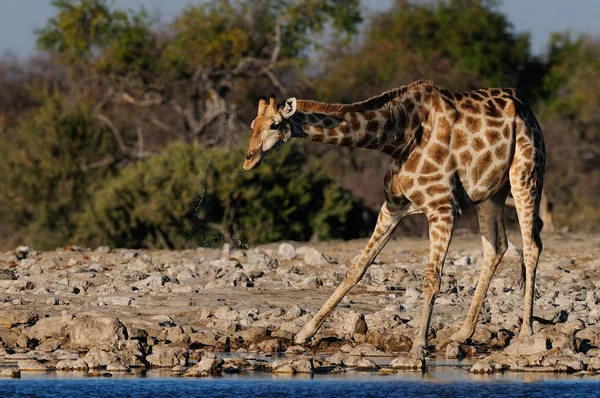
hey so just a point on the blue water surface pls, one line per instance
(320, 386)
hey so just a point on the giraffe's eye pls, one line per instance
(275, 126)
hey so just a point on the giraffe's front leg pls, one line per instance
(441, 227)
(388, 219)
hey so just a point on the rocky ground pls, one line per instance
(111, 310)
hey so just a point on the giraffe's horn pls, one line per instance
(272, 100)
(261, 104)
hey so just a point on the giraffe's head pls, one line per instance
(271, 129)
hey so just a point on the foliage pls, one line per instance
(461, 44)
(189, 196)
(89, 34)
(43, 180)
(571, 122)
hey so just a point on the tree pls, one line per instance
(176, 80)
(44, 180)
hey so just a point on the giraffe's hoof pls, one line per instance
(460, 336)
(419, 351)
(525, 332)
(302, 337)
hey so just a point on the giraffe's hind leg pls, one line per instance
(526, 178)
(493, 237)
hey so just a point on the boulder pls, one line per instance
(98, 357)
(293, 365)
(72, 364)
(165, 356)
(313, 257)
(10, 373)
(96, 332)
(52, 327)
(531, 345)
(49, 345)
(31, 365)
(407, 363)
(11, 318)
(208, 366)
(347, 323)
(286, 251)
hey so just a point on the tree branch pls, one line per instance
(115, 132)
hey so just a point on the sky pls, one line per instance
(19, 18)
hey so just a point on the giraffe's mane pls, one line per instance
(370, 104)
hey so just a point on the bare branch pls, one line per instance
(115, 132)
(157, 100)
(275, 81)
(101, 163)
(140, 136)
(277, 47)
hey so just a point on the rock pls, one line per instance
(96, 332)
(347, 323)
(25, 342)
(203, 339)
(117, 367)
(313, 257)
(49, 345)
(366, 364)
(7, 274)
(366, 349)
(407, 363)
(11, 318)
(226, 313)
(337, 359)
(72, 364)
(11, 373)
(563, 362)
(594, 364)
(121, 301)
(23, 252)
(270, 345)
(208, 366)
(152, 282)
(293, 365)
(286, 251)
(295, 350)
(165, 356)
(31, 365)
(528, 345)
(454, 351)
(8, 337)
(258, 260)
(97, 357)
(497, 362)
(53, 327)
(255, 334)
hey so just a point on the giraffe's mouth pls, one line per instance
(249, 164)
(253, 159)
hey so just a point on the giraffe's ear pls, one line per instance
(289, 108)
(252, 124)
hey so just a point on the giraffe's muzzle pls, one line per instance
(252, 160)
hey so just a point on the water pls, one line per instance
(438, 384)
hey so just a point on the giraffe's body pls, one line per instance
(450, 151)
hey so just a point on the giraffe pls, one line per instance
(449, 151)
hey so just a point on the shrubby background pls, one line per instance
(130, 133)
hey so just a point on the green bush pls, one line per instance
(43, 178)
(188, 196)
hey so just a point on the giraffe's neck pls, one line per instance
(384, 129)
